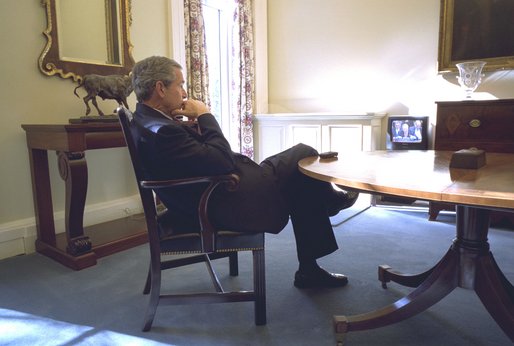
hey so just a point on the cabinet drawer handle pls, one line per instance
(475, 123)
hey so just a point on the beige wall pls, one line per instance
(361, 55)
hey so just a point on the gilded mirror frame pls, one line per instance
(51, 64)
(452, 40)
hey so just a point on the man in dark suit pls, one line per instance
(397, 129)
(415, 131)
(268, 194)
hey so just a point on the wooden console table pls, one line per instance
(77, 248)
(487, 125)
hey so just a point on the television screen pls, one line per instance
(408, 132)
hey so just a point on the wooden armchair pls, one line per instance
(203, 245)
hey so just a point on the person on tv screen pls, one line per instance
(405, 135)
(397, 129)
(415, 131)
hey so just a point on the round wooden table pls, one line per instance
(469, 263)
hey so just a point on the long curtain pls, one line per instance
(196, 56)
(243, 66)
(243, 74)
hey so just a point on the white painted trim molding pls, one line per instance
(176, 27)
(18, 237)
(260, 33)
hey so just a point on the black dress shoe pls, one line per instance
(343, 200)
(319, 279)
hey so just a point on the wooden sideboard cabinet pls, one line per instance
(487, 125)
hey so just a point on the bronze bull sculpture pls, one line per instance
(114, 87)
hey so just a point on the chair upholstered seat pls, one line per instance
(174, 236)
(226, 241)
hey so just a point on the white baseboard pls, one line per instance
(18, 237)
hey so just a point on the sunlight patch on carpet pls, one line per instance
(17, 328)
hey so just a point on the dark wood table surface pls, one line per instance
(469, 263)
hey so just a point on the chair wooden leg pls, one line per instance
(259, 287)
(233, 263)
(212, 273)
(155, 291)
(148, 283)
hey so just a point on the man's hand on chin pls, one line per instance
(192, 109)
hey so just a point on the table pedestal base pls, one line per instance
(468, 264)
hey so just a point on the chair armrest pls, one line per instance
(232, 181)
(208, 233)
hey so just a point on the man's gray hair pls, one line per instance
(147, 72)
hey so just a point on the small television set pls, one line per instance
(408, 132)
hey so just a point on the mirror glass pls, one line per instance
(87, 37)
(82, 39)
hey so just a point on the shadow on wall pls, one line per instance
(320, 105)
(397, 108)
(315, 105)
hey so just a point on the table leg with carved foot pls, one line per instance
(496, 293)
(387, 274)
(468, 264)
(73, 170)
(442, 280)
(75, 253)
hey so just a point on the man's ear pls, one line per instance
(159, 88)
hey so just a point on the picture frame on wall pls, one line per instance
(476, 30)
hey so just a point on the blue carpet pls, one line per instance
(45, 303)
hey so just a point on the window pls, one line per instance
(218, 16)
(226, 9)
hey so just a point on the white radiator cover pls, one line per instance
(323, 131)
